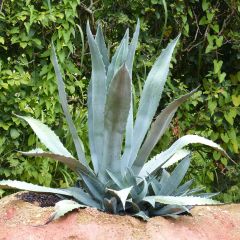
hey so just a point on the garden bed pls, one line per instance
(21, 220)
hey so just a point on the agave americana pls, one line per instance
(122, 178)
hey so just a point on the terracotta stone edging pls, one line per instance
(20, 220)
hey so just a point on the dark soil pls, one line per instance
(43, 199)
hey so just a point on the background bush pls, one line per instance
(208, 55)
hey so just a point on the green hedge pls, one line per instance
(208, 55)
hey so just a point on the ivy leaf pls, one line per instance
(14, 133)
(219, 41)
(230, 115)
(224, 137)
(2, 40)
(236, 100)
(217, 65)
(212, 106)
(205, 5)
(222, 77)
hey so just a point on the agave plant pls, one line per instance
(121, 178)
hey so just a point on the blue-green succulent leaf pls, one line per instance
(63, 100)
(156, 187)
(164, 178)
(129, 178)
(94, 157)
(150, 98)
(7, 184)
(129, 127)
(160, 159)
(169, 210)
(47, 137)
(175, 178)
(110, 205)
(72, 163)
(121, 194)
(143, 193)
(116, 178)
(118, 59)
(116, 113)
(132, 49)
(206, 195)
(183, 189)
(83, 197)
(102, 46)
(158, 128)
(65, 206)
(150, 200)
(97, 100)
(95, 188)
(195, 191)
(186, 200)
(132, 206)
(179, 155)
(141, 215)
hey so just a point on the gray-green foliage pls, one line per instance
(123, 179)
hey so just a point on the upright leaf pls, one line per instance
(116, 179)
(164, 178)
(97, 98)
(175, 178)
(63, 100)
(183, 189)
(94, 156)
(116, 113)
(129, 127)
(95, 188)
(119, 58)
(102, 46)
(83, 197)
(132, 49)
(143, 193)
(156, 187)
(150, 98)
(157, 130)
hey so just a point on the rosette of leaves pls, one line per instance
(121, 178)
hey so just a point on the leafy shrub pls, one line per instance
(27, 83)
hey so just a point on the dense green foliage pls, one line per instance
(208, 56)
